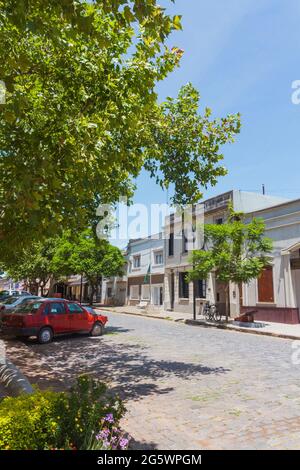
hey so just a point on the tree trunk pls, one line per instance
(227, 303)
(51, 287)
(92, 294)
(99, 289)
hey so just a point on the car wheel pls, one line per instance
(45, 336)
(97, 330)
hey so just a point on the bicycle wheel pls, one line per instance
(212, 313)
(218, 316)
(206, 312)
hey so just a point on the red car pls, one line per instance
(46, 318)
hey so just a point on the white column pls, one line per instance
(211, 289)
(234, 296)
(290, 298)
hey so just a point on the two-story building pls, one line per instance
(145, 271)
(276, 294)
(179, 294)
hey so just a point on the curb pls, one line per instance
(13, 381)
(208, 325)
(241, 330)
(136, 314)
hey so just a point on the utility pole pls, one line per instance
(150, 279)
(194, 299)
(194, 229)
(263, 189)
(81, 289)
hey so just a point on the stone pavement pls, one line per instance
(184, 387)
(265, 328)
(150, 313)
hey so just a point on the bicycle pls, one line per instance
(211, 312)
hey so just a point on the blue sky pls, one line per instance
(242, 55)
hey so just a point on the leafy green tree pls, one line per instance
(34, 266)
(235, 251)
(87, 255)
(185, 148)
(81, 116)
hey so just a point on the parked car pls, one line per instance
(20, 292)
(46, 318)
(5, 294)
(12, 302)
(8, 299)
(8, 305)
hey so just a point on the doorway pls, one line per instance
(157, 295)
(172, 290)
(222, 298)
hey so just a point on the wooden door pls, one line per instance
(265, 286)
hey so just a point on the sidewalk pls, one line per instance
(150, 313)
(279, 330)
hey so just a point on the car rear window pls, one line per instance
(28, 307)
(74, 308)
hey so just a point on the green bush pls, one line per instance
(29, 421)
(83, 411)
(57, 420)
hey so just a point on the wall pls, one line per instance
(214, 209)
(283, 227)
(140, 276)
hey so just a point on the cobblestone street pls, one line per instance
(185, 387)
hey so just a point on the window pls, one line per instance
(134, 292)
(109, 292)
(171, 244)
(265, 286)
(75, 308)
(137, 261)
(158, 257)
(200, 288)
(145, 292)
(183, 286)
(29, 307)
(56, 308)
(219, 221)
(184, 238)
(185, 242)
(10, 301)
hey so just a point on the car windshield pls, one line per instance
(10, 301)
(28, 307)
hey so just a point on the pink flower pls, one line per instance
(109, 418)
(123, 443)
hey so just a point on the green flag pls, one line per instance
(147, 276)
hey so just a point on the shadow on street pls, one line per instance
(127, 369)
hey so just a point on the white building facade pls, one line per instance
(180, 295)
(155, 274)
(276, 294)
(145, 271)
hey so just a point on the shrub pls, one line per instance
(83, 411)
(29, 421)
(59, 420)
